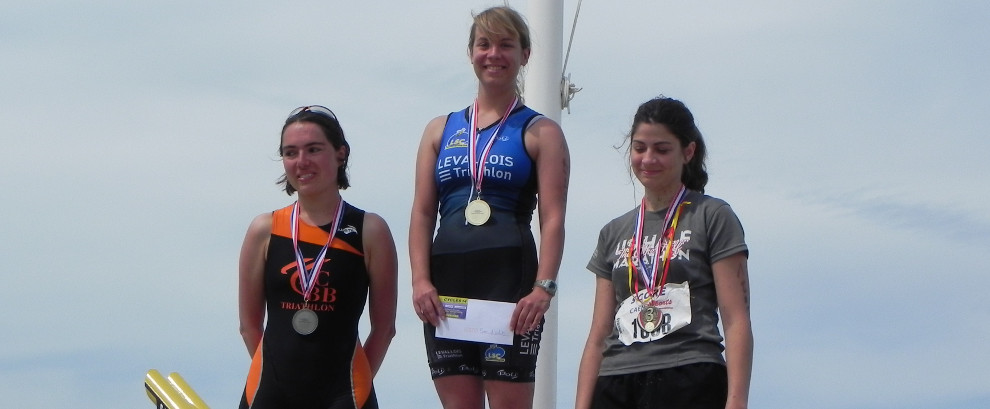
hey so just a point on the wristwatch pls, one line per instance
(549, 286)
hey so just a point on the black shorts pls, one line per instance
(503, 274)
(693, 386)
(276, 401)
(511, 363)
(322, 385)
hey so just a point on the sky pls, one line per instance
(140, 140)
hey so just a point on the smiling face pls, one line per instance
(311, 162)
(657, 157)
(497, 58)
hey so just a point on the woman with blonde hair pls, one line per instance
(481, 169)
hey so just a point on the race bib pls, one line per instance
(638, 321)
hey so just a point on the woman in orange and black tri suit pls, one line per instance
(311, 266)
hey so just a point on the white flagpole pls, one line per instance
(542, 92)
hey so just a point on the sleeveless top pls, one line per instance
(331, 357)
(509, 184)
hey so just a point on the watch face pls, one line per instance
(549, 285)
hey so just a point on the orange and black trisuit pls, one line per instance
(327, 368)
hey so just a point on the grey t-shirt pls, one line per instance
(707, 231)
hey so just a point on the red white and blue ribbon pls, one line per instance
(307, 277)
(476, 163)
(665, 239)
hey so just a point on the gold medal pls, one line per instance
(477, 212)
(305, 321)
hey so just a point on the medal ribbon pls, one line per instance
(635, 256)
(307, 277)
(478, 164)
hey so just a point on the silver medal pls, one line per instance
(305, 321)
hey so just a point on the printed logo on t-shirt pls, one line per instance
(650, 249)
(497, 166)
(456, 142)
(321, 298)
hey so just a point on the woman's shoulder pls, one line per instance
(261, 225)
(704, 201)
(437, 123)
(435, 127)
(713, 209)
(535, 121)
(374, 223)
(351, 209)
(282, 211)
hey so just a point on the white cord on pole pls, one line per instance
(568, 89)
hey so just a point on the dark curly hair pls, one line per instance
(678, 119)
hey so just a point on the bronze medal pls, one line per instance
(649, 318)
(305, 321)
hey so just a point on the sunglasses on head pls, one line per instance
(316, 109)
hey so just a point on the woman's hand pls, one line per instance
(529, 311)
(426, 303)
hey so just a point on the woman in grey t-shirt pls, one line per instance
(666, 272)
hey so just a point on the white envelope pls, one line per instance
(468, 319)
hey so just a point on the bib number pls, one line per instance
(648, 321)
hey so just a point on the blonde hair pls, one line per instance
(501, 20)
(506, 22)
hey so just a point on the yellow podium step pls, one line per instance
(172, 392)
